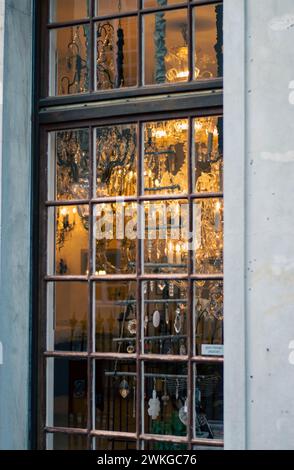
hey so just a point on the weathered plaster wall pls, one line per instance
(266, 310)
(15, 228)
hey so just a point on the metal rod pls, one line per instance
(150, 338)
(150, 375)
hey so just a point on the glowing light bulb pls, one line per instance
(74, 211)
(183, 74)
(63, 211)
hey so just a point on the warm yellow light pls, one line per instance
(74, 211)
(218, 206)
(183, 74)
(178, 248)
(64, 211)
(160, 133)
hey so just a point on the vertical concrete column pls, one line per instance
(15, 283)
(259, 248)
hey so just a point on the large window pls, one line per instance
(131, 221)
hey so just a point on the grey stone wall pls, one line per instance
(16, 225)
(259, 248)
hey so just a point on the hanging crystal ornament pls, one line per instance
(178, 321)
(183, 413)
(165, 397)
(177, 389)
(132, 327)
(130, 348)
(183, 350)
(171, 289)
(120, 53)
(156, 319)
(154, 404)
(166, 314)
(161, 285)
(124, 388)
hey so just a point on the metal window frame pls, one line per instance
(53, 114)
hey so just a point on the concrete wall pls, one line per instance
(262, 310)
(15, 228)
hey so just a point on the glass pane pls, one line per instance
(165, 47)
(160, 3)
(116, 317)
(208, 157)
(116, 53)
(69, 60)
(162, 446)
(165, 244)
(208, 223)
(208, 34)
(209, 315)
(209, 396)
(106, 7)
(66, 442)
(114, 444)
(116, 160)
(67, 393)
(165, 158)
(165, 317)
(115, 396)
(69, 225)
(67, 316)
(115, 232)
(68, 165)
(68, 10)
(165, 405)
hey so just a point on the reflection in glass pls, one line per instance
(116, 319)
(114, 444)
(208, 305)
(106, 7)
(69, 165)
(115, 396)
(208, 229)
(68, 10)
(67, 316)
(115, 233)
(208, 157)
(165, 157)
(165, 47)
(165, 317)
(164, 445)
(67, 442)
(165, 399)
(165, 244)
(67, 382)
(160, 3)
(69, 64)
(209, 421)
(71, 226)
(208, 34)
(116, 53)
(116, 160)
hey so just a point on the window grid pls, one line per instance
(139, 357)
(140, 13)
(90, 433)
